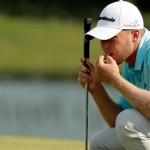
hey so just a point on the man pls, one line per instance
(123, 37)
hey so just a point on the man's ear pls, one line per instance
(135, 35)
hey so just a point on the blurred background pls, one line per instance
(41, 43)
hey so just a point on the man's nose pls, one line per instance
(105, 45)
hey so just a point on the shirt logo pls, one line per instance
(107, 19)
(145, 85)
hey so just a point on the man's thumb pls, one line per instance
(109, 59)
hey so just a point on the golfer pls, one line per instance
(123, 38)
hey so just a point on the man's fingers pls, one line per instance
(109, 59)
(84, 78)
(88, 63)
(103, 60)
(84, 69)
(91, 66)
(82, 60)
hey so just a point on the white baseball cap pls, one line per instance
(114, 18)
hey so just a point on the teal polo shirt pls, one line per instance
(139, 75)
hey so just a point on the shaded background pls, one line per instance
(62, 8)
(41, 43)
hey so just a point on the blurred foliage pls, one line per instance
(59, 8)
(43, 8)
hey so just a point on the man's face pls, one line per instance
(120, 47)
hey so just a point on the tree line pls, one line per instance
(61, 8)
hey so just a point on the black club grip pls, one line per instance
(87, 27)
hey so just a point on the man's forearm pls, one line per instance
(139, 98)
(107, 107)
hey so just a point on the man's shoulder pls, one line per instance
(146, 35)
(146, 39)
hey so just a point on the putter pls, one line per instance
(87, 26)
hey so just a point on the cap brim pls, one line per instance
(102, 33)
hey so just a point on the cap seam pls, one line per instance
(119, 25)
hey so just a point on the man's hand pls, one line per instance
(106, 69)
(87, 75)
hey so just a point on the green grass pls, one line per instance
(31, 143)
(41, 47)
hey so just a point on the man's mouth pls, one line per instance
(108, 54)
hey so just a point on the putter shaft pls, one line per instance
(86, 115)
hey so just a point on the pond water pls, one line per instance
(54, 109)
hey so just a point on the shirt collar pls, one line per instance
(140, 53)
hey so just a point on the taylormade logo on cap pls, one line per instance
(107, 19)
(116, 17)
